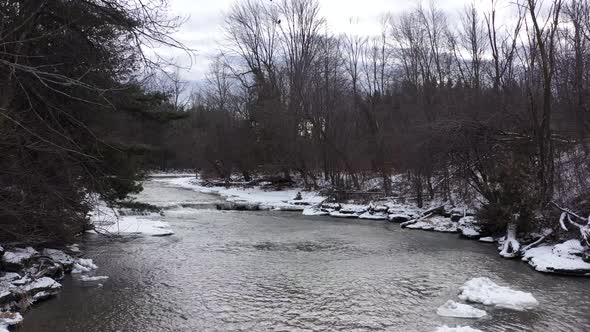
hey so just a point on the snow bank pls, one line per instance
(485, 291)
(436, 223)
(445, 328)
(267, 199)
(136, 225)
(9, 319)
(469, 227)
(562, 258)
(460, 310)
(107, 220)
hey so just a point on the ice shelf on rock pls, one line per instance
(564, 258)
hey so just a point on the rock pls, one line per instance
(6, 297)
(8, 318)
(399, 218)
(16, 259)
(41, 288)
(487, 239)
(455, 217)
(60, 257)
(468, 228)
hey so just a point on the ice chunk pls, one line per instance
(455, 309)
(94, 278)
(483, 290)
(84, 265)
(445, 328)
(487, 239)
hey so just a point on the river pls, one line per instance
(282, 271)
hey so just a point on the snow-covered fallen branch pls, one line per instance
(568, 214)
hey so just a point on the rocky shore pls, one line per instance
(29, 275)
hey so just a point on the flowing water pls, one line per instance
(281, 271)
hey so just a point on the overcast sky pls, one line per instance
(203, 30)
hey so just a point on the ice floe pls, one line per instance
(484, 290)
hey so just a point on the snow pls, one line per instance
(314, 211)
(136, 225)
(10, 276)
(84, 265)
(398, 217)
(487, 239)
(107, 220)
(8, 319)
(460, 310)
(445, 328)
(43, 283)
(373, 216)
(59, 256)
(485, 291)
(19, 255)
(94, 278)
(468, 227)
(74, 248)
(435, 223)
(267, 199)
(561, 258)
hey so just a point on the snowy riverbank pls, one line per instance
(28, 276)
(438, 217)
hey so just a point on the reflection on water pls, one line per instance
(261, 271)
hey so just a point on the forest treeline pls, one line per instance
(72, 101)
(490, 103)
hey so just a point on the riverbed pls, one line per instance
(282, 271)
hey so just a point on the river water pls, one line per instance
(282, 271)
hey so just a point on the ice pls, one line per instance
(84, 265)
(487, 239)
(460, 310)
(74, 248)
(561, 258)
(485, 291)
(93, 278)
(445, 328)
